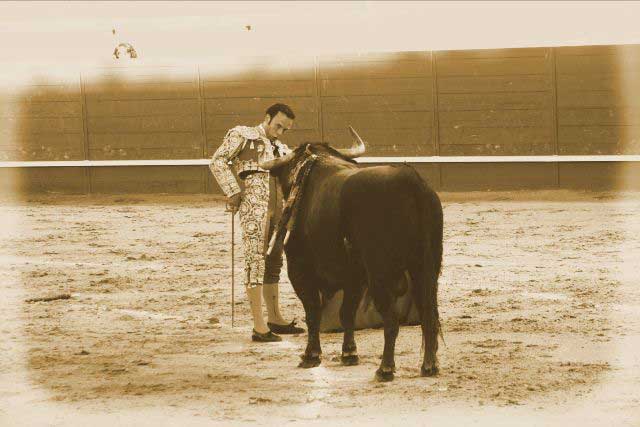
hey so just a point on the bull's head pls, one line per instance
(350, 153)
(282, 167)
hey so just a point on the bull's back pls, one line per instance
(382, 211)
(382, 193)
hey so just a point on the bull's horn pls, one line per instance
(270, 164)
(356, 151)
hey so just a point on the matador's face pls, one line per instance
(277, 126)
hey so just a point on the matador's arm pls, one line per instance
(219, 165)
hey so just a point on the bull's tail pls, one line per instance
(427, 271)
(436, 257)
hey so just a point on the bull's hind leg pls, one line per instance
(391, 327)
(429, 321)
(385, 304)
(348, 310)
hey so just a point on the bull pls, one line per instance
(361, 230)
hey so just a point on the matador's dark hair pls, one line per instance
(280, 108)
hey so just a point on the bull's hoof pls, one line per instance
(384, 376)
(428, 372)
(350, 360)
(309, 362)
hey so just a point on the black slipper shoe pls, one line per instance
(291, 328)
(266, 337)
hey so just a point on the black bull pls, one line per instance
(362, 230)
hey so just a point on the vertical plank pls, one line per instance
(85, 132)
(203, 126)
(554, 109)
(203, 122)
(435, 126)
(316, 83)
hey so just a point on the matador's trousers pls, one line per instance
(257, 222)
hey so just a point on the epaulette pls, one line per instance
(284, 149)
(247, 132)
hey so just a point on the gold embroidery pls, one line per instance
(232, 154)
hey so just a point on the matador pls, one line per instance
(259, 205)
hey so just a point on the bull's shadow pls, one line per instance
(366, 314)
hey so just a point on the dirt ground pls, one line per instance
(539, 301)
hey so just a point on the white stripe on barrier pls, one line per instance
(500, 159)
(93, 163)
(409, 159)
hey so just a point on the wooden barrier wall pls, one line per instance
(530, 101)
(597, 93)
(495, 102)
(42, 121)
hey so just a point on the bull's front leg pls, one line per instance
(305, 286)
(312, 309)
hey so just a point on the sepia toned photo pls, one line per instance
(319, 213)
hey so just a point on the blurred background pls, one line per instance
(136, 81)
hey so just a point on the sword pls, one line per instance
(233, 281)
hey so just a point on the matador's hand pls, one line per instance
(233, 202)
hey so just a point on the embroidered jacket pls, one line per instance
(242, 147)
